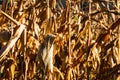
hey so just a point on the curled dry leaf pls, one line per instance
(86, 44)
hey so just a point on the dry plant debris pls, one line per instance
(86, 46)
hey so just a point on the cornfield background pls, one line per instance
(87, 46)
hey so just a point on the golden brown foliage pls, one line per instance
(87, 44)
